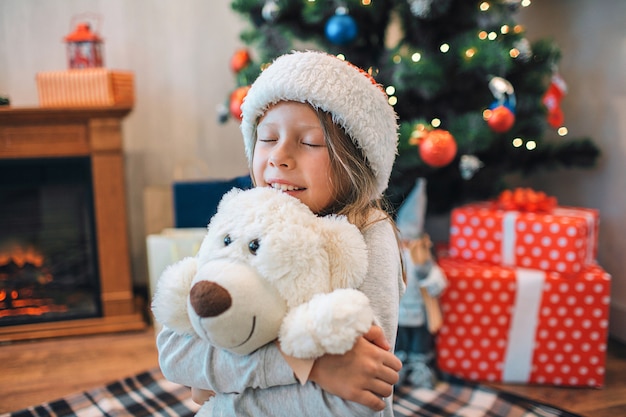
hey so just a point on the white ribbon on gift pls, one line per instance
(521, 341)
(509, 237)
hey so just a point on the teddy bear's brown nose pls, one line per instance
(209, 299)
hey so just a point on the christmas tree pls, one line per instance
(476, 100)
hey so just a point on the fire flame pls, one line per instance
(21, 255)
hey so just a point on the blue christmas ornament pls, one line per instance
(503, 92)
(341, 29)
(509, 104)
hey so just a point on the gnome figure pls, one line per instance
(420, 314)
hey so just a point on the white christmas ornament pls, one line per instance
(469, 166)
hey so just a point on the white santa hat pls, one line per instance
(328, 83)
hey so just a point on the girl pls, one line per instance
(322, 131)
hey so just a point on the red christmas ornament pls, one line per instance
(236, 98)
(240, 60)
(437, 148)
(501, 119)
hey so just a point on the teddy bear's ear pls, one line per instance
(169, 304)
(229, 195)
(347, 251)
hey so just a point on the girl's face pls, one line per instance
(290, 154)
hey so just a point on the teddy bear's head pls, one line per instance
(265, 255)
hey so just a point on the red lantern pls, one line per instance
(84, 48)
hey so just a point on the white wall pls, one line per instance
(592, 37)
(179, 51)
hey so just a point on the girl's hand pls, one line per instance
(365, 374)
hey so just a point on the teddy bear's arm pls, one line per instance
(169, 304)
(328, 323)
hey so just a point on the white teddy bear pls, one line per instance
(269, 268)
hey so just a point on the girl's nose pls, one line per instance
(281, 156)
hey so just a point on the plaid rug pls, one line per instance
(149, 394)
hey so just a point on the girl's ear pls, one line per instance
(347, 252)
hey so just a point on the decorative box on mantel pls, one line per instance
(87, 87)
(64, 251)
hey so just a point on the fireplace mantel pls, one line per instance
(94, 133)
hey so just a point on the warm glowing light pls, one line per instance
(14, 294)
(470, 52)
(518, 28)
(517, 142)
(525, 3)
(531, 144)
(366, 2)
(514, 53)
(484, 6)
(504, 29)
(390, 90)
(482, 35)
(562, 131)
(416, 57)
(487, 114)
(372, 71)
(397, 59)
(435, 122)
(341, 56)
(444, 47)
(393, 100)
(492, 36)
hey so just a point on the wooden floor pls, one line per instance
(40, 371)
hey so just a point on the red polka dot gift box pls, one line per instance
(551, 238)
(517, 325)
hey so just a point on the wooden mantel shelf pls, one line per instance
(12, 115)
(94, 133)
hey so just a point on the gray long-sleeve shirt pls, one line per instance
(262, 383)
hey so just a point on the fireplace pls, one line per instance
(64, 258)
(48, 262)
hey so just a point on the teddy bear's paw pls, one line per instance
(328, 323)
(169, 304)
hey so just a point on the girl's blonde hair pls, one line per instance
(351, 176)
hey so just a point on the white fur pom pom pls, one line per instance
(329, 323)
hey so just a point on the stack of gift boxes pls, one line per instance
(526, 301)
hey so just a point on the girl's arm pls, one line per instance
(261, 398)
(191, 361)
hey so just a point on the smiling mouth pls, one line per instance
(249, 335)
(285, 187)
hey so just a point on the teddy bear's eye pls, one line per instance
(227, 240)
(254, 245)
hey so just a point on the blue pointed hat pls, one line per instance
(411, 214)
